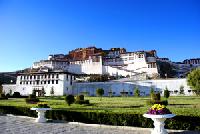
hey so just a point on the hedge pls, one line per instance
(137, 120)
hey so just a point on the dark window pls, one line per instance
(52, 75)
(45, 76)
(48, 81)
(31, 77)
(38, 82)
(52, 81)
(30, 82)
(21, 77)
(49, 76)
(56, 81)
(56, 75)
(38, 77)
(20, 83)
(34, 76)
(70, 80)
(45, 82)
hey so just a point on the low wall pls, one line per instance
(144, 87)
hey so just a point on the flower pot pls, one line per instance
(159, 122)
(41, 114)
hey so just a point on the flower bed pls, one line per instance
(42, 105)
(158, 109)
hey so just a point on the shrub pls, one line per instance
(155, 97)
(166, 93)
(82, 102)
(79, 97)
(32, 99)
(8, 95)
(3, 97)
(179, 122)
(181, 89)
(151, 91)
(100, 92)
(136, 92)
(152, 102)
(69, 99)
(16, 95)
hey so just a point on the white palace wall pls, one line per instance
(144, 87)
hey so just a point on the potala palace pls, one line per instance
(66, 74)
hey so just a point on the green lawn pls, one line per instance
(181, 105)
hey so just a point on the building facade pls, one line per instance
(60, 82)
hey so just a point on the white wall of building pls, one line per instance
(61, 84)
(8, 87)
(144, 87)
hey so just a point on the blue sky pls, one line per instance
(30, 30)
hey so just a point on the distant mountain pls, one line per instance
(8, 77)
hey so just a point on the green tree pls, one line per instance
(100, 92)
(136, 92)
(193, 80)
(181, 89)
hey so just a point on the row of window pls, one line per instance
(30, 77)
(38, 82)
(152, 65)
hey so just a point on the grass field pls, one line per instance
(180, 105)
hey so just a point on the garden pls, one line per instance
(112, 110)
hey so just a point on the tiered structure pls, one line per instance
(92, 60)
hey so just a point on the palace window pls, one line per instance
(52, 81)
(56, 81)
(56, 75)
(48, 81)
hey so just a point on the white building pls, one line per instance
(60, 82)
(117, 62)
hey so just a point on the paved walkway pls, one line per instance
(25, 125)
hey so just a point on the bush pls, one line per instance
(8, 95)
(79, 97)
(166, 93)
(3, 97)
(152, 102)
(136, 92)
(100, 92)
(16, 95)
(69, 99)
(82, 102)
(178, 122)
(155, 97)
(32, 99)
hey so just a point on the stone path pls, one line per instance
(25, 125)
